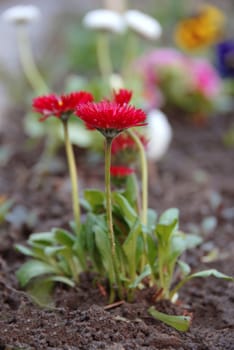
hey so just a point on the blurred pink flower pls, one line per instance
(151, 65)
(173, 77)
(159, 58)
(204, 77)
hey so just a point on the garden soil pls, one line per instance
(196, 176)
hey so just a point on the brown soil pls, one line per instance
(196, 176)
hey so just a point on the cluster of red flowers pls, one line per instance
(109, 117)
(121, 171)
(124, 142)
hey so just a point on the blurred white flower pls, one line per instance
(142, 24)
(159, 134)
(106, 20)
(116, 81)
(21, 14)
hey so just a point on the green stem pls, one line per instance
(73, 174)
(178, 286)
(161, 272)
(109, 216)
(27, 61)
(131, 48)
(117, 5)
(108, 194)
(103, 56)
(144, 175)
(144, 179)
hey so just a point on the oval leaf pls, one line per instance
(211, 272)
(31, 269)
(181, 323)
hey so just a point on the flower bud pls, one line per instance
(142, 24)
(159, 134)
(104, 20)
(21, 14)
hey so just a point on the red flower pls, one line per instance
(122, 96)
(110, 118)
(125, 142)
(120, 171)
(59, 106)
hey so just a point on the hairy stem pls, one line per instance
(144, 180)
(108, 194)
(109, 216)
(73, 174)
(144, 175)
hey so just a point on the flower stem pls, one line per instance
(117, 5)
(131, 50)
(103, 56)
(144, 175)
(27, 61)
(73, 174)
(109, 217)
(144, 180)
(108, 194)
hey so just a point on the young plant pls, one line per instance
(111, 118)
(119, 240)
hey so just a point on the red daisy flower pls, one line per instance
(121, 171)
(125, 142)
(110, 118)
(59, 106)
(122, 96)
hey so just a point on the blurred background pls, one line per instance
(61, 45)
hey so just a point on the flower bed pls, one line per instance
(191, 177)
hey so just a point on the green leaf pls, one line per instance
(169, 217)
(211, 272)
(151, 219)
(204, 273)
(192, 240)
(79, 135)
(51, 251)
(152, 250)
(181, 323)
(131, 190)
(103, 244)
(64, 237)
(40, 290)
(126, 211)
(130, 247)
(24, 250)
(61, 279)
(36, 251)
(32, 127)
(42, 238)
(146, 272)
(168, 223)
(31, 269)
(96, 199)
(4, 209)
(164, 233)
(184, 267)
(182, 241)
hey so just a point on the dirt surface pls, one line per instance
(196, 176)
